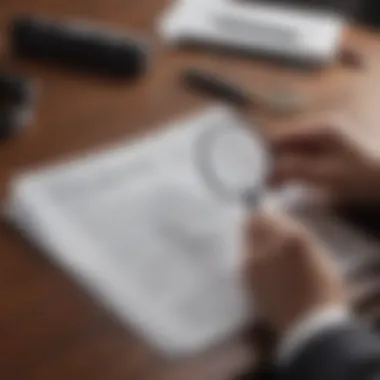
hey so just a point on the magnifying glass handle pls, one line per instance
(253, 200)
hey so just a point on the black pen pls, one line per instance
(219, 88)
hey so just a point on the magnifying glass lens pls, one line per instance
(238, 162)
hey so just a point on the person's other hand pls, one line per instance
(287, 271)
(331, 156)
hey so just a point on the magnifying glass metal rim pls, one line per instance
(203, 151)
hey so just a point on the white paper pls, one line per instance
(138, 227)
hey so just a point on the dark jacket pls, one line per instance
(345, 353)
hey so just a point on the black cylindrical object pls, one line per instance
(17, 103)
(76, 45)
(12, 121)
(14, 90)
(216, 87)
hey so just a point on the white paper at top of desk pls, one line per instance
(279, 30)
(138, 228)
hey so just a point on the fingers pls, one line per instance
(278, 238)
(264, 236)
(309, 136)
(297, 131)
(270, 234)
(308, 153)
(317, 171)
(316, 151)
(308, 132)
(307, 140)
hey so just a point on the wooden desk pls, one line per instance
(49, 329)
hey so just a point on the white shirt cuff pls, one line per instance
(309, 326)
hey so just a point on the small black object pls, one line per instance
(216, 87)
(8, 123)
(76, 45)
(14, 90)
(16, 103)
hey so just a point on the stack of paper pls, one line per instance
(275, 30)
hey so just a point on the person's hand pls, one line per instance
(333, 157)
(287, 271)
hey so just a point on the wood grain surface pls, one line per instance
(49, 328)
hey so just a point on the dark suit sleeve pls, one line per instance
(344, 353)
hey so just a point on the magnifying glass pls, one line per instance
(234, 161)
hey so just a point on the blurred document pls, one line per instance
(138, 227)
